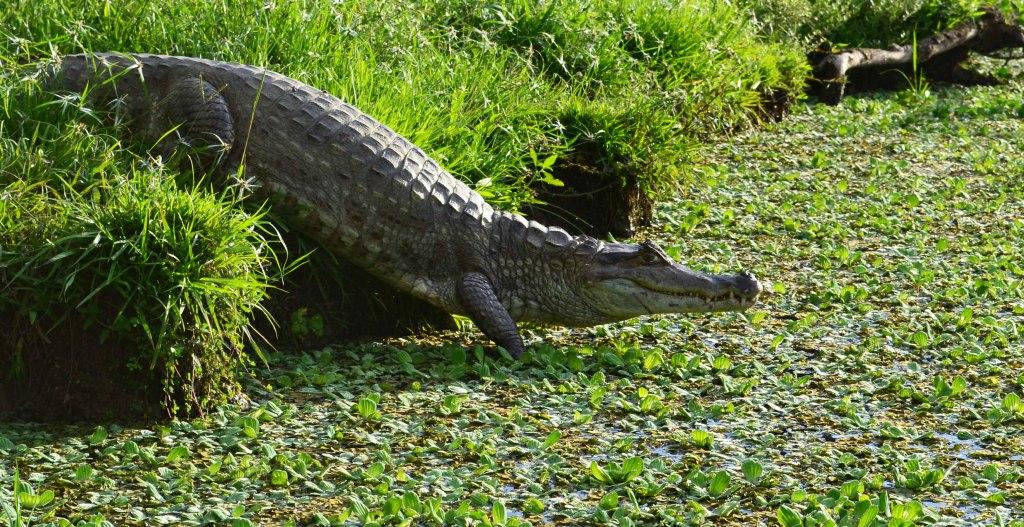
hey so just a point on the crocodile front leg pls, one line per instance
(482, 305)
(193, 114)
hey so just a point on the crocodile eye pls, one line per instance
(653, 254)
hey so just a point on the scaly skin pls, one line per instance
(372, 197)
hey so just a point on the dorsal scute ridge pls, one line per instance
(457, 200)
(536, 234)
(558, 237)
(518, 223)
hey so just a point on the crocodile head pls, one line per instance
(628, 280)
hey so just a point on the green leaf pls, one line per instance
(789, 518)
(965, 317)
(411, 501)
(866, 512)
(130, 447)
(752, 471)
(907, 512)
(996, 498)
(249, 421)
(98, 436)
(375, 471)
(597, 397)
(852, 489)
(719, 483)
(650, 404)
(392, 506)
(599, 473)
(609, 501)
(553, 181)
(83, 473)
(702, 439)
(367, 407)
(1012, 403)
(884, 505)
(552, 438)
(940, 387)
(498, 514)
(631, 468)
(652, 360)
(278, 478)
(433, 507)
(177, 454)
(533, 506)
(359, 507)
(32, 501)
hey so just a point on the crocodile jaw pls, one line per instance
(642, 280)
(622, 298)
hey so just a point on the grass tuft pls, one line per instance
(622, 92)
(95, 237)
(855, 23)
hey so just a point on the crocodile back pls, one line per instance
(353, 184)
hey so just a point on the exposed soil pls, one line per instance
(70, 373)
(593, 201)
(775, 104)
(329, 299)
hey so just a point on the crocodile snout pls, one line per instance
(748, 285)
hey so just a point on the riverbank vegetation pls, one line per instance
(878, 383)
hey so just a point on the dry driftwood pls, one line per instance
(939, 58)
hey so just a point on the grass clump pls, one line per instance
(478, 85)
(689, 68)
(855, 23)
(478, 112)
(621, 139)
(107, 264)
(620, 93)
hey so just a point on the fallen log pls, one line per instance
(937, 58)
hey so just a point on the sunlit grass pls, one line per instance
(94, 236)
(496, 92)
(856, 23)
(477, 85)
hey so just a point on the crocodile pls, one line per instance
(367, 194)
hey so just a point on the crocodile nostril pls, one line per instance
(748, 284)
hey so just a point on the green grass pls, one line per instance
(477, 85)
(94, 237)
(855, 23)
(672, 71)
(626, 91)
(881, 375)
(473, 112)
